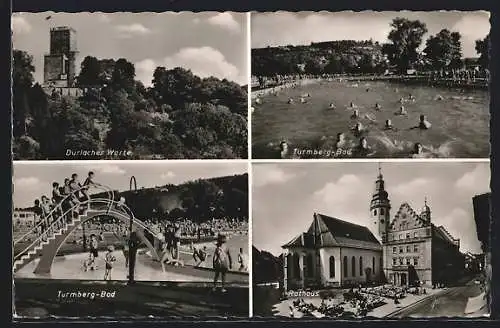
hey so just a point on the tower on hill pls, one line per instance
(59, 64)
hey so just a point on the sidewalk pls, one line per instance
(390, 308)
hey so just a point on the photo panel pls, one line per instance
(130, 85)
(370, 84)
(367, 240)
(130, 239)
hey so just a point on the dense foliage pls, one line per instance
(198, 200)
(442, 51)
(179, 116)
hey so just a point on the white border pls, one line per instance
(249, 84)
(249, 161)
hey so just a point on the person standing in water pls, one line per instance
(222, 262)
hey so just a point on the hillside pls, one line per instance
(198, 200)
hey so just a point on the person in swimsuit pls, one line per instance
(241, 261)
(363, 150)
(199, 256)
(402, 111)
(388, 125)
(94, 245)
(222, 262)
(110, 259)
(378, 107)
(355, 114)
(283, 149)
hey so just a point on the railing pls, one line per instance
(58, 206)
(123, 211)
(61, 222)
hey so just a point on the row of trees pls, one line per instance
(198, 200)
(180, 116)
(441, 51)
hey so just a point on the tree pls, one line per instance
(406, 36)
(483, 50)
(22, 80)
(90, 73)
(123, 75)
(444, 50)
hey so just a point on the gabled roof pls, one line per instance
(326, 231)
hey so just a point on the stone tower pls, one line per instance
(59, 64)
(380, 208)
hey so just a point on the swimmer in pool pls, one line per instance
(401, 100)
(439, 97)
(283, 149)
(424, 124)
(352, 105)
(402, 111)
(290, 100)
(358, 129)
(252, 108)
(411, 97)
(258, 101)
(377, 106)
(332, 106)
(363, 150)
(418, 151)
(340, 142)
(303, 100)
(388, 125)
(355, 114)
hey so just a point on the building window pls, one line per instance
(415, 261)
(408, 249)
(353, 266)
(345, 267)
(415, 248)
(360, 266)
(407, 236)
(394, 250)
(394, 261)
(381, 211)
(400, 237)
(373, 265)
(407, 261)
(400, 261)
(401, 249)
(332, 267)
(415, 235)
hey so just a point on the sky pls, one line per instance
(285, 196)
(32, 180)
(287, 28)
(209, 43)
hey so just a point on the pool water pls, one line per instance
(460, 121)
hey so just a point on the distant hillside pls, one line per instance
(346, 56)
(266, 267)
(198, 200)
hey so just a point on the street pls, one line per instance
(449, 303)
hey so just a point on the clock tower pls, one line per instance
(380, 208)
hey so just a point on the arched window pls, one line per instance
(353, 264)
(345, 266)
(332, 267)
(360, 265)
(373, 265)
(381, 211)
(375, 212)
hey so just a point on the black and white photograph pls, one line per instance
(131, 239)
(370, 84)
(130, 85)
(371, 240)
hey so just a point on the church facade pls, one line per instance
(415, 251)
(332, 253)
(404, 250)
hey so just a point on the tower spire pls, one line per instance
(379, 170)
(425, 200)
